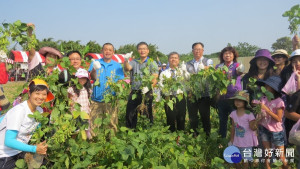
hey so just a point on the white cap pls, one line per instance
(82, 73)
(295, 53)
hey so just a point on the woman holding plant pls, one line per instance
(228, 58)
(17, 127)
(51, 56)
(261, 67)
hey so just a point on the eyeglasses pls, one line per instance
(197, 50)
(75, 59)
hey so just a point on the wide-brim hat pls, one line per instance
(281, 52)
(273, 81)
(44, 50)
(263, 53)
(50, 95)
(242, 95)
(295, 53)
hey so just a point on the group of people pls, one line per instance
(273, 123)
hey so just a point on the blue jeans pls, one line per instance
(225, 108)
(277, 138)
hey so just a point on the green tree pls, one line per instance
(294, 18)
(283, 43)
(186, 57)
(47, 42)
(212, 55)
(94, 47)
(245, 49)
(66, 46)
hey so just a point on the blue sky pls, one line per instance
(173, 25)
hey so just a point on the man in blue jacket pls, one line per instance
(102, 70)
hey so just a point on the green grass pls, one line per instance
(12, 90)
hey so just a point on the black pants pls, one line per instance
(177, 115)
(132, 105)
(9, 162)
(201, 105)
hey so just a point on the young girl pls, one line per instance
(81, 96)
(270, 120)
(242, 136)
(16, 127)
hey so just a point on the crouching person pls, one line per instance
(171, 84)
(16, 128)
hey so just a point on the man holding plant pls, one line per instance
(144, 67)
(101, 70)
(171, 85)
(201, 105)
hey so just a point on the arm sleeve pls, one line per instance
(232, 114)
(11, 142)
(1, 118)
(34, 62)
(251, 117)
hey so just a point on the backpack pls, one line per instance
(3, 73)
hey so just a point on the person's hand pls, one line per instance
(127, 56)
(241, 68)
(42, 148)
(96, 64)
(297, 72)
(31, 27)
(201, 66)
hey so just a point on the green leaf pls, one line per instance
(269, 95)
(123, 129)
(18, 23)
(263, 89)
(76, 114)
(96, 83)
(84, 115)
(134, 96)
(67, 162)
(170, 104)
(83, 134)
(20, 163)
